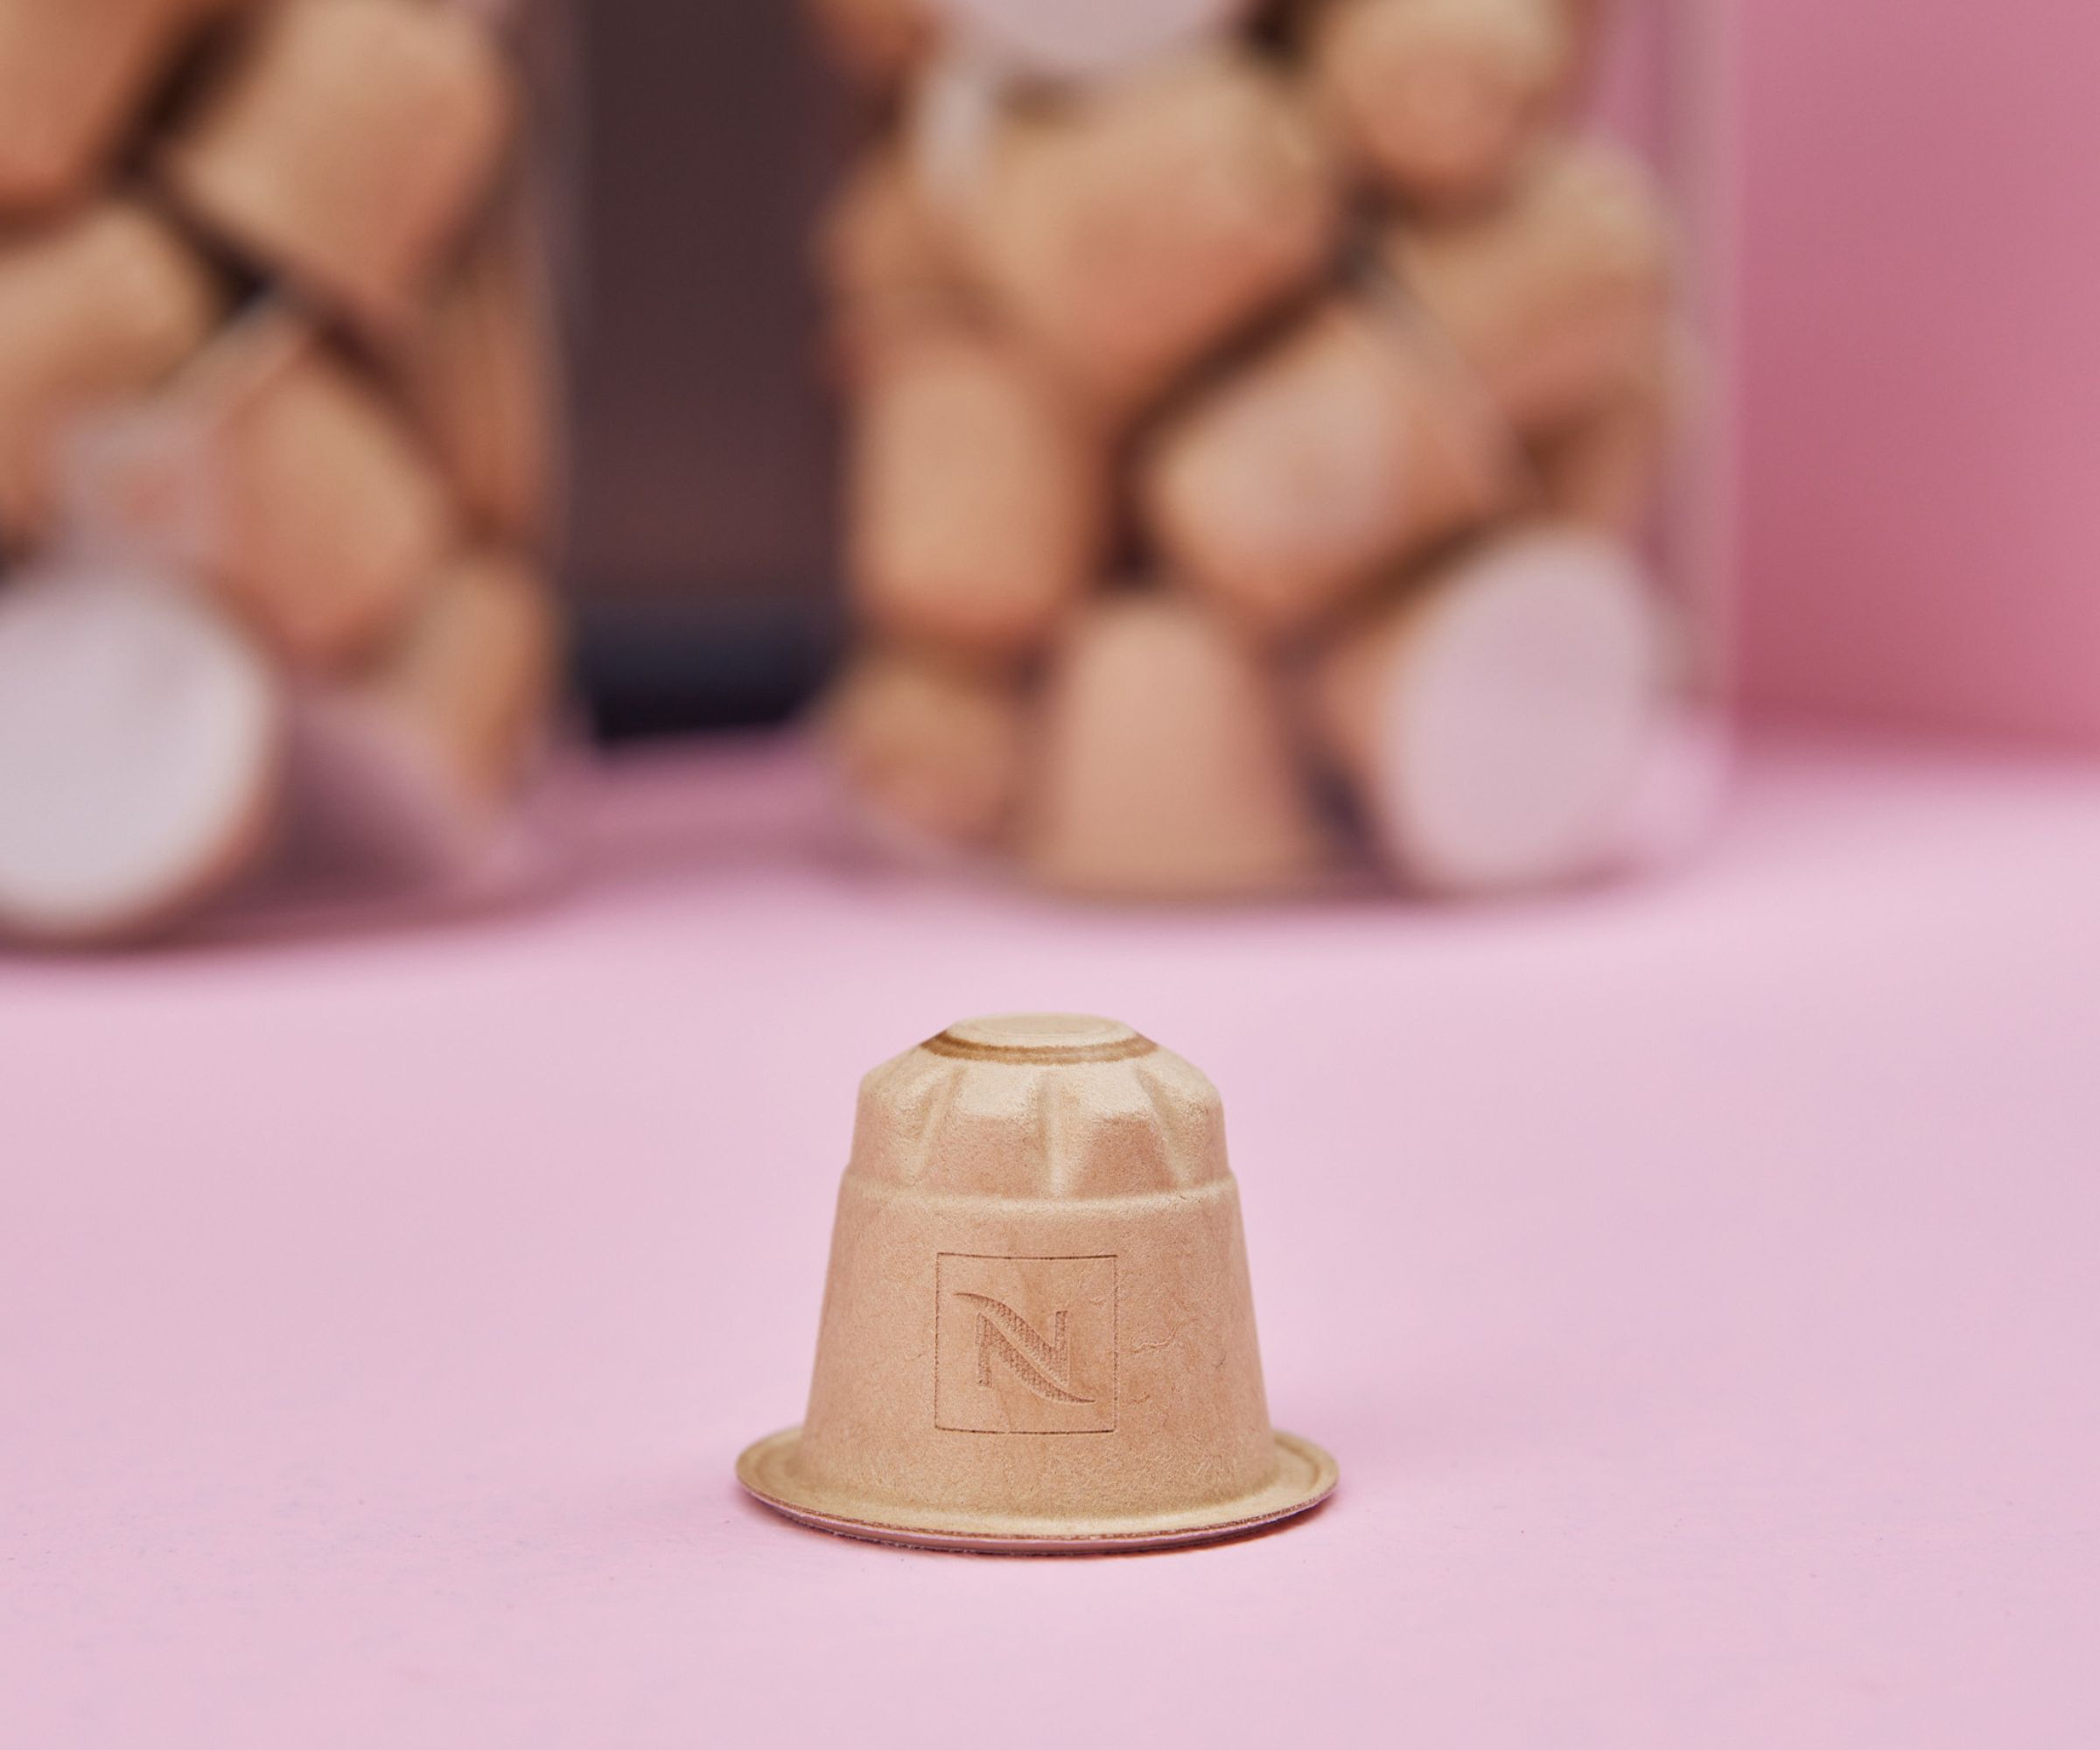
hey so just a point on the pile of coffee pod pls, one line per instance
(277, 443)
(1256, 414)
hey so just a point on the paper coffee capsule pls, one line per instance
(1555, 295)
(1439, 100)
(74, 76)
(977, 498)
(343, 144)
(412, 771)
(1351, 444)
(1493, 722)
(326, 519)
(1037, 1332)
(1606, 471)
(141, 744)
(877, 43)
(96, 308)
(1075, 38)
(887, 266)
(480, 377)
(934, 748)
(1166, 770)
(1131, 229)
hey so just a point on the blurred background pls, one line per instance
(1217, 452)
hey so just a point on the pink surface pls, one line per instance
(1922, 382)
(1697, 1285)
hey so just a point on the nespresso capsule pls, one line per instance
(325, 517)
(1133, 228)
(1350, 445)
(74, 76)
(1165, 769)
(977, 498)
(1606, 470)
(344, 143)
(932, 749)
(141, 749)
(479, 373)
(1493, 721)
(1440, 100)
(96, 308)
(1553, 295)
(888, 267)
(1039, 1331)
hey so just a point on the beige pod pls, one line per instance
(74, 76)
(324, 518)
(1353, 442)
(411, 764)
(479, 375)
(1132, 228)
(977, 498)
(1607, 469)
(929, 749)
(95, 309)
(1555, 294)
(1494, 722)
(1439, 100)
(887, 266)
(344, 143)
(1038, 1331)
(1165, 768)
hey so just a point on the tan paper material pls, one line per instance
(1350, 445)
(1165, 769)
(1439, 100)
(344, 143)
(978, 498)
(1038, 1331)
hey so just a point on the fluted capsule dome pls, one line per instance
(1068, 1106)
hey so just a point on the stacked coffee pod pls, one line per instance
(1256, 419)
(277, 441)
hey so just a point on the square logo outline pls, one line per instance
(1115, 1393)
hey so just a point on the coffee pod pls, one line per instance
(343, 144)
(931, 750)
(141, 747)
(1038, 1332)
(1353, 442)
(1440, 100)
(479, 376)
(410, 766)
(1554, 295)
(1606, 471)
(1166, 768)
(97, 308)
(1082, 38)
(74, 76)
(1493, 722)
(886, 267)
(876, 43)
(977, 498)
(325, 519)
(1128, 229)
(467, 685)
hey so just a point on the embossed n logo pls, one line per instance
(1023, 1345)
(1044, 1365)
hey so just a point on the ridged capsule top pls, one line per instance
(1039, 1106)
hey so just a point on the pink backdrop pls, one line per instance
(1923, 382)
